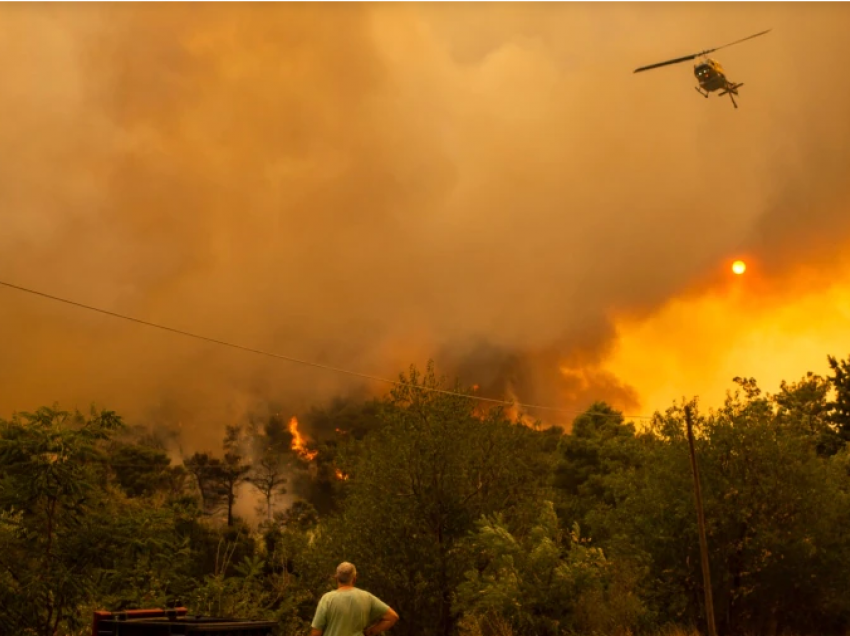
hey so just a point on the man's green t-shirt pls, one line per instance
(348, 612)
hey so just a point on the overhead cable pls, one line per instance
(317, 365)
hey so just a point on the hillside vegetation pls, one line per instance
(465, 522)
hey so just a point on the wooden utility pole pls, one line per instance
(703, 544)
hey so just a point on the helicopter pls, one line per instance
(709, 73)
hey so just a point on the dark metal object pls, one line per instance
(175, 622)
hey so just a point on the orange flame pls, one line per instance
(340, 475)
(515, 414)
(299, 443)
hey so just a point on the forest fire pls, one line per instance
(340, 475)
(299, 443)
(514, 413)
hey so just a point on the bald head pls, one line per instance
(346, 573)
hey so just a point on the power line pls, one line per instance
(305, 362)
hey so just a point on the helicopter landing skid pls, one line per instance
(732, 90)
(698, 90)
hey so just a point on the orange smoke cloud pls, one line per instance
(371, 185)
(770, 328)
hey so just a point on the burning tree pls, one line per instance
(299, 442)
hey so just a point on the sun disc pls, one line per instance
(739, 267)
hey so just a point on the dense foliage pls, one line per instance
(464, 521)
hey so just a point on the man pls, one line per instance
(349, 611)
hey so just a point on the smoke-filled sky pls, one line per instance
(370, 186)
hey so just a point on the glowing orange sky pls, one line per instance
(367, 186)
(770, 330)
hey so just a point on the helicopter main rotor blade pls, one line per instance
(690, 57)
(739, 41)
(676, 61)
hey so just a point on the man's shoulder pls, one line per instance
(328, 596)
(364, 593)
(335, 593)
(374, 599)
(354, 591)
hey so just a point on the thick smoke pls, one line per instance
(368, 186)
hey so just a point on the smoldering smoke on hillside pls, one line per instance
(367, 186)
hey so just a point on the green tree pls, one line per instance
(268, 477)
(207, 473)
(417, 485)
(840, 406)
(147, 562)
(301, 515)
(346, 417)
(229, 475)
(277, 437)
(51, 466)
(600, 445)
(61, 544)
(142, 471)
(805, 406)
(540, 582)
(776, 519)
